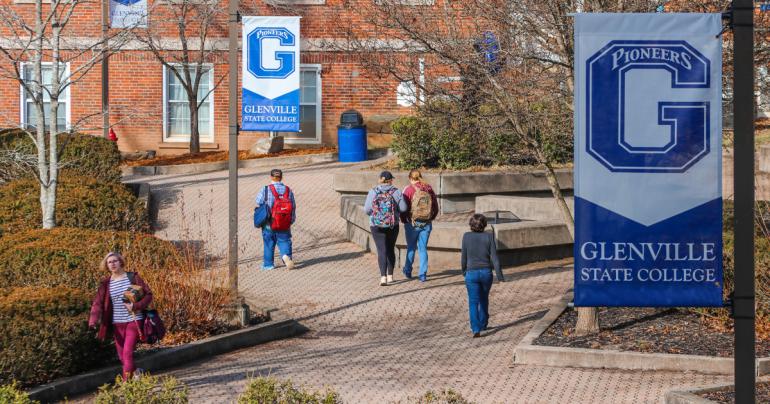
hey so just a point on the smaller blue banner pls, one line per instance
(263, 114)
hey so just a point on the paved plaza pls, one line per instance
(377, 344)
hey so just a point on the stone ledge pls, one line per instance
(691, 396)
(201, 168)
(526, 353)
(167, 358)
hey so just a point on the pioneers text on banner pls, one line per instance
(648, 183)
(270, 74)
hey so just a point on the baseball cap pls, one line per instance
(386, 175)
(276, 173)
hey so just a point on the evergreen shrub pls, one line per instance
(269, 390)
(81, 155)
(82, 202)
(146, 389)
(44, 335)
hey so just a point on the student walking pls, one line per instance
(110, 313)
(383, 205)
(277, 230)
(479, 258)
(422, 209)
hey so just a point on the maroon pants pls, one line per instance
(126, 338)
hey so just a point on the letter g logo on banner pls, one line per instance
(286, 59)
(626, 73)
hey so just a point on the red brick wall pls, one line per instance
(136, 82)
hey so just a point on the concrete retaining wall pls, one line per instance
(457, 192)
(517, 243)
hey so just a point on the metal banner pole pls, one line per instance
(743, 107)
(232, 256)
(105, 72)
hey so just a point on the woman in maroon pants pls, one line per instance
(110, 314)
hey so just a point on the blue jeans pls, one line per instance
(479, 283)
(270, 238)
(417, 238)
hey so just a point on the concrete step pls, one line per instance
(525, 207)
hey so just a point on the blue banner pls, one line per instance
(270, 74)
(648, 190)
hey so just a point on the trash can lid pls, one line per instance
(351, 117)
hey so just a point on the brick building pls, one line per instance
(147, 105)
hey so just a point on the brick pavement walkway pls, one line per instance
(379, 344)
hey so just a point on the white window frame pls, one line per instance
(180, 139)
(318, 104)
(64, 97)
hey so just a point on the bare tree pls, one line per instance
(27, 48)
(198, 29)
(506, 63)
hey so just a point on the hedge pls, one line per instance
(70, 257)
(44, 334)
(80, 202)
(11, 394)
(269, 390)
(146, 389)
(81, 155)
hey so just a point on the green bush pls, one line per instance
(413, 139)
(70, 257)
(81, 155)
(80, 202)
(269, 390)
(10, 394)
(44, 335)
(146, 389)
(444, 397)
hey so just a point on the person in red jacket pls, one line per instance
(109, 314)
(418, 222)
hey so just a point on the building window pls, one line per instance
(309, 107)
(28, 111)
(176, 109)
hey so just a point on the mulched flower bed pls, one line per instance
(214, 156)
(727, 395)
(649, 330)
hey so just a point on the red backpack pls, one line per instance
(282, 210)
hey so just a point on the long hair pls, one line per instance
(415, 175)
(103, 264)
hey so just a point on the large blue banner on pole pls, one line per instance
(648, 154)
(270, 74)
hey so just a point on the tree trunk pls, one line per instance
(587, 321)
(588, 318)
(195, 137)
(48, 205)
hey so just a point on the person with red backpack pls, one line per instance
(418, 219)
(277, 229)
(383, 204)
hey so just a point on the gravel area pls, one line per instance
(727, 395)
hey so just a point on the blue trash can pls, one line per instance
(351, 137)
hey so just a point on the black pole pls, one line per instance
(232, 255)
(105, 72)
(743, 107)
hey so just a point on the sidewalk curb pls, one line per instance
(691, 395)
(526, 353)
(167, 358)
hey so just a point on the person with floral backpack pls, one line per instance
(384, 204)
(276, 230)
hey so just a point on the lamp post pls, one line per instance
(743, 104)
(105, 72)
(232, 256)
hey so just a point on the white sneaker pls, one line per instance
(390, 278)
(383, 281)
(289, 263)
